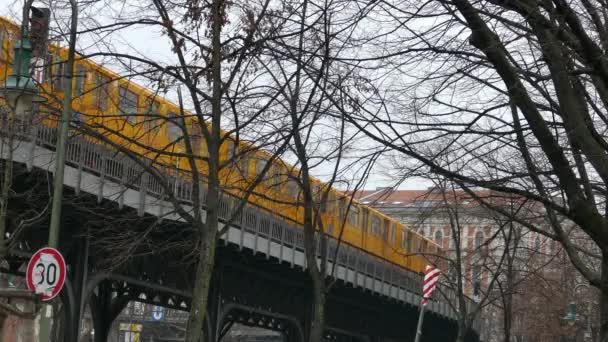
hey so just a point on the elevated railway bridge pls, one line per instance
(260, 279)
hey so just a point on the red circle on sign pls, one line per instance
(46, 273)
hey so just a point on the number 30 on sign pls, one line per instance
(46, 273)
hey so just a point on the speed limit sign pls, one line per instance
(46, 273)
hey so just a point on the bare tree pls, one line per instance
(516, 91)
(216, 63)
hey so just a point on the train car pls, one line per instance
(148, 124)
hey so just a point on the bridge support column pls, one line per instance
(74, 304)
(105, 309)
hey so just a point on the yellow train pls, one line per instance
(106, 101)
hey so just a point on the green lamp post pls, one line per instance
(20, 90)
(571, 316)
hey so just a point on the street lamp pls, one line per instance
(571, 316)
(20, 90)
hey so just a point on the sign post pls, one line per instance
(46, 273)
(431, 278)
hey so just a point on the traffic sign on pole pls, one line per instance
(46, 273)
(431, 278)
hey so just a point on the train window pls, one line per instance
(2, 44)
(260, 164)
(410, 246)
(48, 68)
(393, 233)
(229, 150)
(403, 239)
(293, 188)
(76, 117)
(421, 245)
(173, 129)
(385, 231)
(128, 104)
(330, 229)
(196, 140)
(152, 113)
(329, 203)
(375, 225)
(58, 70)
(244, 165)
(274, 179)
(101, 92)
(80, 79)
(353, 215)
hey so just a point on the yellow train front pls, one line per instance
(105, 101)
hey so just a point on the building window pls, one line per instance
(478, 239)
(476, 280)
(439, 237)
(173, 129)
(537, 244)
(552, 246)
(80, 79)
(128, 104)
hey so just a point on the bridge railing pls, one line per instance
(87, 155)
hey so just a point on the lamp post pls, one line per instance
(571, 316)
(64, 123)
(63, 132)
(19, 92)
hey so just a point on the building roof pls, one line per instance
(390, 198)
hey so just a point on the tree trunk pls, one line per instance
(2, 320)
(208, 229)
(507, 319)
(462, 331)
(200, 296)
(318, 312)
(604, 299)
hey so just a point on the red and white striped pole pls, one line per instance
(431, 278)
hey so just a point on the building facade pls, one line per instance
(522, 278)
